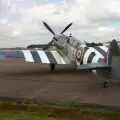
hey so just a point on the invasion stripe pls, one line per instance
(43, 56)
(51, 57)
(96, 58)
(58, 57)
(104, 48)
(99, 60)
(100, 50)
(90, 58)
(28, 56)
(36, 56)
(87, 54)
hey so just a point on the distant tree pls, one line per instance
(37, 46)
(93, 44)
(114, 48)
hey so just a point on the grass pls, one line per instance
(27, 110)
(8, 115)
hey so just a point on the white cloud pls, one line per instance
(21, 21)
(5, 6)
(15, 33)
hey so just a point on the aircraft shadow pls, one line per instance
(45, 72)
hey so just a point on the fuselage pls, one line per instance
(74, 51)
(77, 51)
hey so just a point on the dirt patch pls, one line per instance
(35, 81)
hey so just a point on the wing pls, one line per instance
(91, 66)
(34, 56)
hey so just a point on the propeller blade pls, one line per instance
(48, 27)
(66, 28)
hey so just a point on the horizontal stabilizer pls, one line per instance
(92, 66)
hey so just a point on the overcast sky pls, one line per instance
(93, 20)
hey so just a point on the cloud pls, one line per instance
(21, 20)
(5, 6)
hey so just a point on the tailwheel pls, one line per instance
(52, 67)
(107, 75)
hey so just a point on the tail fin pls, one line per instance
(114, 48)
(108, 58)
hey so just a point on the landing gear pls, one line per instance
(106, 76)
(106, 84)
(52, 67)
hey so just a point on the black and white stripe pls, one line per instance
(90, 58)
(36, 56)
(51, 57)
(93, 54)
(43, 57)
(100, 50)
(28, 56)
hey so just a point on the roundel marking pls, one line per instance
(78, 54)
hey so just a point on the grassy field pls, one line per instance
(8, 115)
(28, 110)
(31, 111)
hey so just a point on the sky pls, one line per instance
(93, 20)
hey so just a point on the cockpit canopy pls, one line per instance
(75, 42)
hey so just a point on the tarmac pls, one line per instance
(30, 80)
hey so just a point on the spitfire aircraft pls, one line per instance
(63, 49)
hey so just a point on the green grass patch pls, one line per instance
(24, 110)
(8, 115)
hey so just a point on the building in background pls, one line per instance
(107, 44)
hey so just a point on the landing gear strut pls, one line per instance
(52, 67)
(107, 75)
(106, 84)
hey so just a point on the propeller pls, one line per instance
(66, 28)
(54, 37)
(48, 27)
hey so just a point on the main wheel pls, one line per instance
(52, 67)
